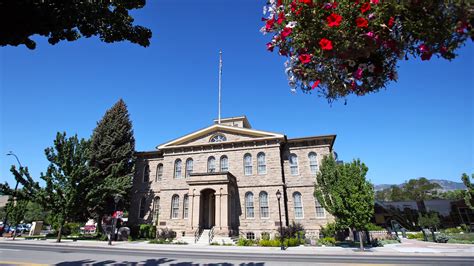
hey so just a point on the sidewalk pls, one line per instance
(407, 248)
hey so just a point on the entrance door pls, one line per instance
(207, 209)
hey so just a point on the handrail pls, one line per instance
(197, 234)
(211, 234)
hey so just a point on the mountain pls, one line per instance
(446, 185)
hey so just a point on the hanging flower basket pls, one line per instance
(352, 47)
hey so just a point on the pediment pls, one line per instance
(230, 133)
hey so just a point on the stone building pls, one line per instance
(225, 177)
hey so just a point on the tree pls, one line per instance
(469, 196)
(353, 47)
(420, 189)
(34, 212)
(65, 189)
(16, 210)
(429, 220)
(60, 20)
(345, 193)
(111, 161)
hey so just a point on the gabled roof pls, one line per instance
(258, 134)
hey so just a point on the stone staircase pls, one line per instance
(204, 239)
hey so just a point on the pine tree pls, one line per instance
(469, 195)
(65, 188)
(345, 193)
(111, 161)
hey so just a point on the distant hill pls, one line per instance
(446, 185)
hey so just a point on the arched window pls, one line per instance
(159, 172)
(247, 164)
(142, 208)
(313, 163)
(218, 138)
(261, 164)
(175, 207)
(263, 204)
(185, 206)
(249, 213)
(211, 164)
(320, 213)
(177, 169)
(224, 164)
(189, 167)
(298, 205)
(146, 174)
(293, 164)
(156, 209)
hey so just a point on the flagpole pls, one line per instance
(220, 85)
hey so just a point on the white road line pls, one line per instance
(7, 249)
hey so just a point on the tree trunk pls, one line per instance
(361, 241)
(14, 232)
(58, 239)
(433, 235)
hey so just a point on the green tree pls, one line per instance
(469, 196)
(35, 212)
(16, 212)
(345, 193)
(452, 194)
(65, 190)
(420, 189)
(429, 220)
(111, 161)
(69, 20)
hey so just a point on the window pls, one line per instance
(185, 206)
(298, 205)
(293, 164)
(146, 174)
(249, 205)
(142, 208)
(263, 204)
(247, 164)
(175, 207)
(218, 138)
(189, 167)
(177, 169)
(224, 164)
(250, 235)
(156, 209)
(313, 163)
(261, 165)
(211, 164)
(159, 172)
(319, 209)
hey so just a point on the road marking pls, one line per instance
(20, 263)
(7, 249)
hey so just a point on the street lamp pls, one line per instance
(117, 198)
(278, 194)
(10, 153)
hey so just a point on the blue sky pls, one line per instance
(420, 126)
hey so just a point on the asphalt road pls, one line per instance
(11, 253)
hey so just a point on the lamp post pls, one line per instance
(278, 194)
(117, 198)
(10, 153)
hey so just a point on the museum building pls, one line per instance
(222, 181)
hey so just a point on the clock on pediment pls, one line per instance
(218, 138)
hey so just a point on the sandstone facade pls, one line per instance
(169, 193)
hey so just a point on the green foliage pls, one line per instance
(452, 194)
(469, 196)
(428, 220)
(383, 242)
(265, 236)
(71, 20)
(374, 227)
(327, 241)
(245, 242)
(65, 187)
(442, 238)
(293, 230)
(160, 241)
(413, 189)
(329, 230)
(34, 212)
(166, 234)
(147, 231)
(269, 243)
(453, 230)
(418, 235)
(293, 242)
(16, 211)
(345, 193)
(111, 162)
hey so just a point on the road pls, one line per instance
(31, 254)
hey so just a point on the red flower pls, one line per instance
(305, 58)
(308, 2)
(362, 23)
(423, 48)
(365, 7)
(270, 47)
(280, 2)
(426, 56)
(285, 32)
(269, 24)
(334, 20)
(325, 44)
(391, 21)
(315, 84)
(281, 17)
(374, 1)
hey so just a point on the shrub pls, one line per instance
(453, 230)
(293, 242)
(329, 230)
(265, 236)
(166, 234)
(374, 227)
(418, 235)
(145, 230)
(442, 238)
(245, 242)
(293, 230)
(327, 241)
(159, 241)
(269, 243)
(72, 229)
